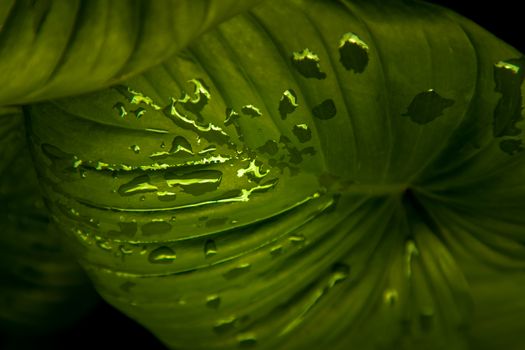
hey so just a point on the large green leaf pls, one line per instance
(56, 48)
(312, 174)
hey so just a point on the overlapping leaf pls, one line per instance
(42, 288)
(56, 48)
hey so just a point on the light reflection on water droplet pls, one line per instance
(296, 239)
(196, 182)
(390, 297)
(251, 110)
(181, 147)
(340, 272)
(121, 109)
(135, 148)
(140, 184)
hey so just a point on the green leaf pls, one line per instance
(42, 288)
(309, 174)
(56, 48)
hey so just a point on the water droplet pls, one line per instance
(247, 340)
(126, 249)
(139, 112)
(296, 239)
(162, 255)
(390, 297)
(201, 97)
(140, 184)
(411, 251)
(128, 229)
(156, 228)
(216, 222)
(340, 272)
(237, 271)
(181, 147)
(162, 145)
(325, 110)
(302, 132)
(208, 149)
(121, 109)
(142, 198)
(103, 243)
(225, 325)
(308, 64)
(196, 182)
(135, 148)
(276, 251)
(270, 147)
(135, 97)
(427, 106)
(210, 132)
(251, 111)
(213, 301)
(210, 248)
(231, 116)
(166, 196)
(288, 103)
(508, 77)
(353, 52)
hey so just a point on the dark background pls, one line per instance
(500, 17)
(106, 328)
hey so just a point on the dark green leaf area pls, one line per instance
(270, 147)
(325, 110)
(508, 76)
(427, 106)
(511, 147)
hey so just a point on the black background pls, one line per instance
(105, 328)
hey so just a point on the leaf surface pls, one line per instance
(308, 173)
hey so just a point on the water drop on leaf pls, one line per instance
(162, 255)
